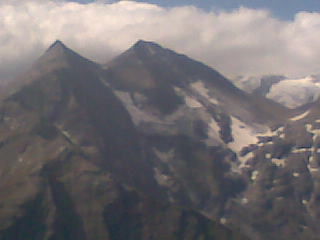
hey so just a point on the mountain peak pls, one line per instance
(57, 56)
(57, 44)
(142, 42)
(147, 47)
(56, 50)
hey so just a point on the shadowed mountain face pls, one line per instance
(155, 71)
(74, 166)
(231, 155)
(153, 145)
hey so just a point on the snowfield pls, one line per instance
(293, 93)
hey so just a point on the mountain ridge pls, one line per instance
(73, 137)
(153, 145)
(290, 92)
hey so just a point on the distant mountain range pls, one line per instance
(152, 145)
(291, 93)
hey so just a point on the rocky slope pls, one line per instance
(73, 165)
(152, 145)
(221, 147)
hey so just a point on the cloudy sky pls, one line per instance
(284, 9)
(248, 37)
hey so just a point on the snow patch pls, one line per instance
(268, 155)
(308, 127)
(295, 174)
(254, 175)
(244, 200)
(315, 132)
(301, 150)
(223, 221)
(242, 134)
(247, 83)
(202, 90)
(162, 179)
(312, 169)
(191, 102)
(301, 116)
(279, 130)
(164, 156)
(65, 133)
(311, 158)
(213, 134)
(243, 160)
(278, 162)
(295, 92)
(137, 114)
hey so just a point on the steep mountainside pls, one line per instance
(73, 165)
(153, 70)
(152, 145)
(217, 146)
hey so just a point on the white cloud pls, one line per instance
(244, 41)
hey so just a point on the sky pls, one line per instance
(248, 37)
(283, 9)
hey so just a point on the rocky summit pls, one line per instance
(152, 145)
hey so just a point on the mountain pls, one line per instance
(73, 165)
(147, 67)
(223, 148)
(291, 93)
(257, 84)
(294, 93)
(152, 145)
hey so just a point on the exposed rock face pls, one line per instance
(220, 150)
(73, 165)
(153, 145)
